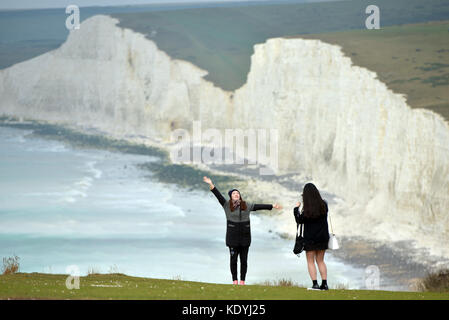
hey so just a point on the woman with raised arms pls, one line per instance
(238, 230)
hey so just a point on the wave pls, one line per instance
(15, 135)
(80, 188)
(91, 168)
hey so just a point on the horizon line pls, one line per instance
(165, 3)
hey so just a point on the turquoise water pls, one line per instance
(62, 206)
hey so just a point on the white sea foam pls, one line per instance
(80, 188)
(85, 182)
(91, 167)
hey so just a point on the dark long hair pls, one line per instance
(314, 206)
(242, 204)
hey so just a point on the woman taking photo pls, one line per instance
(316, 234)
(238, 230)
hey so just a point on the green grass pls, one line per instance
(221, 40)
(119, 286)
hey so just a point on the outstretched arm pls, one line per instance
(215, 191)
(266, 206)
(262, 207)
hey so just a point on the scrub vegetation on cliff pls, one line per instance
(410, 59)
(220, 40)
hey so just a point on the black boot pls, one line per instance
(315, 286)
(324, 285)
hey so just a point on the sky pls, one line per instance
(22, 4)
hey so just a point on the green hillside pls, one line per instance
(411, 59)
(221, 40)
(119, 286)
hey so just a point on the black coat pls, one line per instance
(316, 230)
(238, 234)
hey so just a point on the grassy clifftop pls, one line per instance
(410, 59)
(220, 40)
(119, 286)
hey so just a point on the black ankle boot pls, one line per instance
(324, 285)
(315, 286)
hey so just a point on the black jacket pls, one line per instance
(238, 228)
(316, 230)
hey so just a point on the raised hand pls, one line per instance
(277, 206)
(209, 182)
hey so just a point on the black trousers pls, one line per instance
(235, 252)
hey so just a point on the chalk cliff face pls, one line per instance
(109, 78)
(336, 122)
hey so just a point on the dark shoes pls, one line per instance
(317, 287)
(314, 287)
(324, 287)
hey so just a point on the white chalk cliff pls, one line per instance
(337, 123)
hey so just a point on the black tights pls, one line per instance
(243, 253)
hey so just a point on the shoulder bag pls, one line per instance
(333, 242)
(299, 242)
